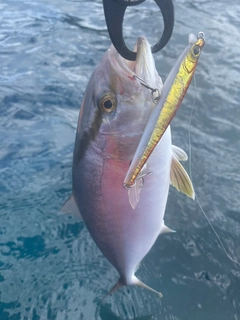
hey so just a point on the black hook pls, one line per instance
(114, 13)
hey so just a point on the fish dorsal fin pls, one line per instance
(180, 179)
(135, 190)
(70, 207)
(165, 229)
(179, 153)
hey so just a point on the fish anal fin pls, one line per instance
(70, 207)
(165, 229)
(180, 179)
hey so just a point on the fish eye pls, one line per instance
(107, 103)
(196, 50)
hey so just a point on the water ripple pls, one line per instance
(49, 266)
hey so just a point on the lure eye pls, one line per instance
(107, 103)
(196, 51)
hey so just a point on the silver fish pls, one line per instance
(124, 223)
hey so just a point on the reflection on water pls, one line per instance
(49, 266)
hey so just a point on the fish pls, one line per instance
(173, 92)
(124, 223)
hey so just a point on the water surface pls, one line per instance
(49, 266)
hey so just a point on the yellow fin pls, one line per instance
(180, 179)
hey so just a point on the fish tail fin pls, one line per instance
(139, 283)
(116, 286)
(134, 281)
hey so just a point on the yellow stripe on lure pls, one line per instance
(173, 92)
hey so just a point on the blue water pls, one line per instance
(49, 266)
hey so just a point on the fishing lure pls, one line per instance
(173, 92)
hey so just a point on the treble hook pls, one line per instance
(114, 13)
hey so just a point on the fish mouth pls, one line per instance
(143, 67)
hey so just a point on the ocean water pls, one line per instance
(50, 268)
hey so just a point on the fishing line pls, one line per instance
(190, 173)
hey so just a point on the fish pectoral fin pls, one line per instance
(165, 229)
(180, 179)
(179, 153)
(134, 193)
(135, 190)
(70, 207)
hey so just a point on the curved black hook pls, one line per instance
(114, 13)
